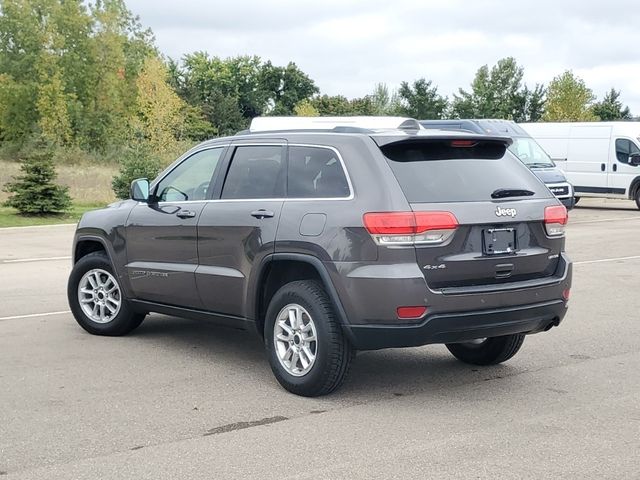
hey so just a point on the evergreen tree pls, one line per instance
(35, 192)
(611, 108)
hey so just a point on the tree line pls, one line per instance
(88, 76)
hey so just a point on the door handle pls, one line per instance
(602, 167)
(262, 213)
(186, 214)
(615, 167)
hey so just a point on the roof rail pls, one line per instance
(345, 124)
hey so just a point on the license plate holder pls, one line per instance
(499, 241)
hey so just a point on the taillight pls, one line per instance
(463, 143)
(410, 228)
(555, 219)
(410, 312)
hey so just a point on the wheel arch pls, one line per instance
(634, 188)
(279, 269)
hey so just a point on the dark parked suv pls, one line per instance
(334, 238)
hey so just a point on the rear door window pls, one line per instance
(315, 172)
(438, 172)
(256, 171)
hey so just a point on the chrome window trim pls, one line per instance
(351, 195)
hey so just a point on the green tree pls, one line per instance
(332, 105)
(230, 92)
(338, 105)
(498, 93)
(159, 110)
(52, 104)
(138, 161)
(305, 108)
(35, 191)
(68, 69)
(285, 87)
(530, 107)
(569, 100)
(421, 100)
(611, 108)
(384, 101)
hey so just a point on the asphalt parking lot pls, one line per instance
(182, 399)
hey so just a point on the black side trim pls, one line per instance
(231, 321)
(579, 189)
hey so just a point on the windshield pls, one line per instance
(530, 153)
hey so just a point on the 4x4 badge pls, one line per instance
(506, 212)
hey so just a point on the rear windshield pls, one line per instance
(438, 172)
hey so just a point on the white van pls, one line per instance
(601, 159)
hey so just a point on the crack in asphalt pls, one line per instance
(231, 427)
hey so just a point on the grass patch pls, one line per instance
(89, 183)
(89, 186)
(9, 217)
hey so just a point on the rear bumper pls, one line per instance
(460, 327)
(568, 202)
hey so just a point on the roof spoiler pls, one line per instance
(442, 136)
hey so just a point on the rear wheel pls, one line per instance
(97, 300)
(487, 351)
(308, 352)
(638, 197)
(576, 200)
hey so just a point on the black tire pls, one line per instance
(124, 321)
(333, 351)
(576, 200)
(490, 352)
(638, 197)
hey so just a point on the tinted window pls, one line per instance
(315, 172)
(190, 180)
(438, 172)
(255, 172)
(624, 148)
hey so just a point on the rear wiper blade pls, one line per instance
(511, 192)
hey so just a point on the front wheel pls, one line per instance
(97, 300)
(308, 352)
(638, 198)
(487, 351)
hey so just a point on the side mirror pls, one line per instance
(140, 190)
(634, 159)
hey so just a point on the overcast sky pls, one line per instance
(349, 46)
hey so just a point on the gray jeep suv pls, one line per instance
(330, 240)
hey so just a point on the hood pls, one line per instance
(550, 175)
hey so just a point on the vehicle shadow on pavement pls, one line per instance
(608, 208)
(414, 370)
(211, 339)
(374, 373)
